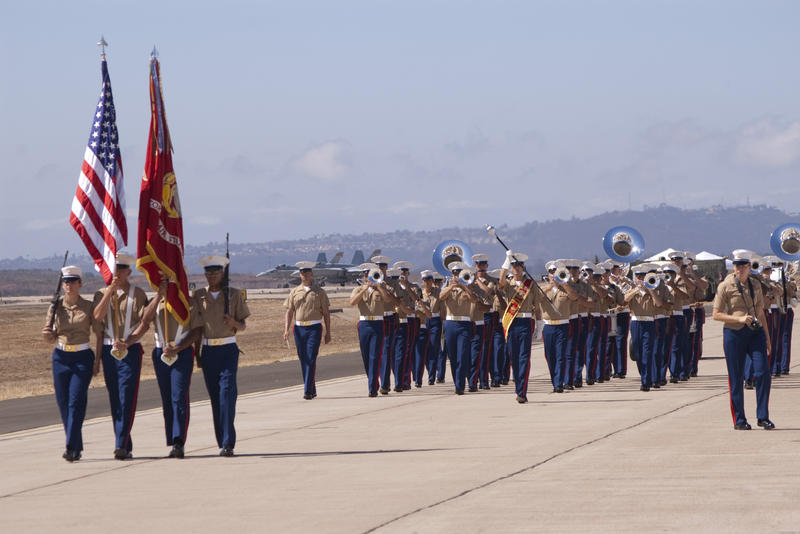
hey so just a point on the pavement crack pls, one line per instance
(542, 462)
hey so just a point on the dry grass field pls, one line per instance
(25, 358)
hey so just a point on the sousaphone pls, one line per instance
(448, 252)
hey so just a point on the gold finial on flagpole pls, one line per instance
(102, 44)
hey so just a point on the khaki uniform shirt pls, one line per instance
(532, 300)
(457, 303)
(172, 325)
(729, 300)
(370, 303)
(403, 293)
(431, 300)
(211, 311)
(484, 304)
(584, 290)
(562, 306)
(139, 303)
(307, 304)
(498, 304)
(679, 300)
(642, 305)
(667, 299)
(73, 324)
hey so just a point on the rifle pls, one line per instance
(226, 278)
(56, 300)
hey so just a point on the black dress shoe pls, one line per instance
(495, 384)
(656, 385)
(459, 392)
(440, 381)
(384, 391)
(683, 378)
(673, 380)
(431, 382)
(748, 384)
(601, 380)
(122, 454)
(644, 388)
(766, 424)
(622, 375)
(522, 400)
(776, 375)
(472, 389)
(226, 451)
(398, 389)
(70, 455)
(559, 389)
(742, 426)
(590, 382)
(373, 394)
(615, 375)
(505, 382)
(569, 387)
(693, 374)
(177, 450)
(417, 385)
(406, 387)
(307, 397)
(485, 386)
(663, 383)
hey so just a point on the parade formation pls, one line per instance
(590, 316)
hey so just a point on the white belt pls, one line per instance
(480, 323)
(370, 317)
(403, 320)
(677, 313)
(685, 307)
(642, 318)
(457, 318)
(216, 341)
(72, 348)
(584, 314)
(388, 314)
(523, 315)
(422, 326)
(773, 307)
(659, 316)
(159, 345)
(556, 323)
(573, 316)
(435, 315)
(109, 341)
(308, 323)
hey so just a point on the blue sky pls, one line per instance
(292, 119)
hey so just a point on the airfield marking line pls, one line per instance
(148, 460)
(542, 462)
(550, 458)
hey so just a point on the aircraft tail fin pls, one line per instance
(322, 258)
(337, 257)
(358, 258)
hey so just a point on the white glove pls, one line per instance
(537, 332)
(507, 263)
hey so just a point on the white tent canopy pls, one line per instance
(663, 254)
(705, 256)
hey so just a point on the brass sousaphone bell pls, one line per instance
(449, 252)
(623, 244)
(785, 242)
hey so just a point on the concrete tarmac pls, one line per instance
(604, 458)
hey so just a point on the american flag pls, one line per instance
(98, 209)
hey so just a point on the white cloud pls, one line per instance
(205, 220)
(328, 161)
(769, 143)
(44, 224)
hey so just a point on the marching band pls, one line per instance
(484, 323)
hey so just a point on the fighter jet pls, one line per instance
(325, 272)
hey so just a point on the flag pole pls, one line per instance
(102, 44)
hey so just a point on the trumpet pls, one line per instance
(756, 265)
(652, 280)
(561, 275)
(585, 275)
(466, 277)
(666, 277)
(375, 275)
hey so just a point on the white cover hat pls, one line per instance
(71, 272)
(381, 259)
(208, 262)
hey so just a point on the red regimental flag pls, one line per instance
(160, 245)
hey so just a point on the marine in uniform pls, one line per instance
(579, 325)
(501, 364)
(483, 289)
(643, 301)
(768, 297)
(682, 349)
(457, 301)
(698, 310)
(173, 362)
(616, 300)
(590, 327)
(789, 300)
(774, 313)
(739, 305)
(370, 297)
(119, 308)
(555, 332)
(308, 307)
(622, 282)
(662, 317)
(408, 327)
(520, 294)
(390, 323)
(667, 324)
(69, 325)
(434, 357)
(220, 353)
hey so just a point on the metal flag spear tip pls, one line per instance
(491, 230)
(102, 44)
